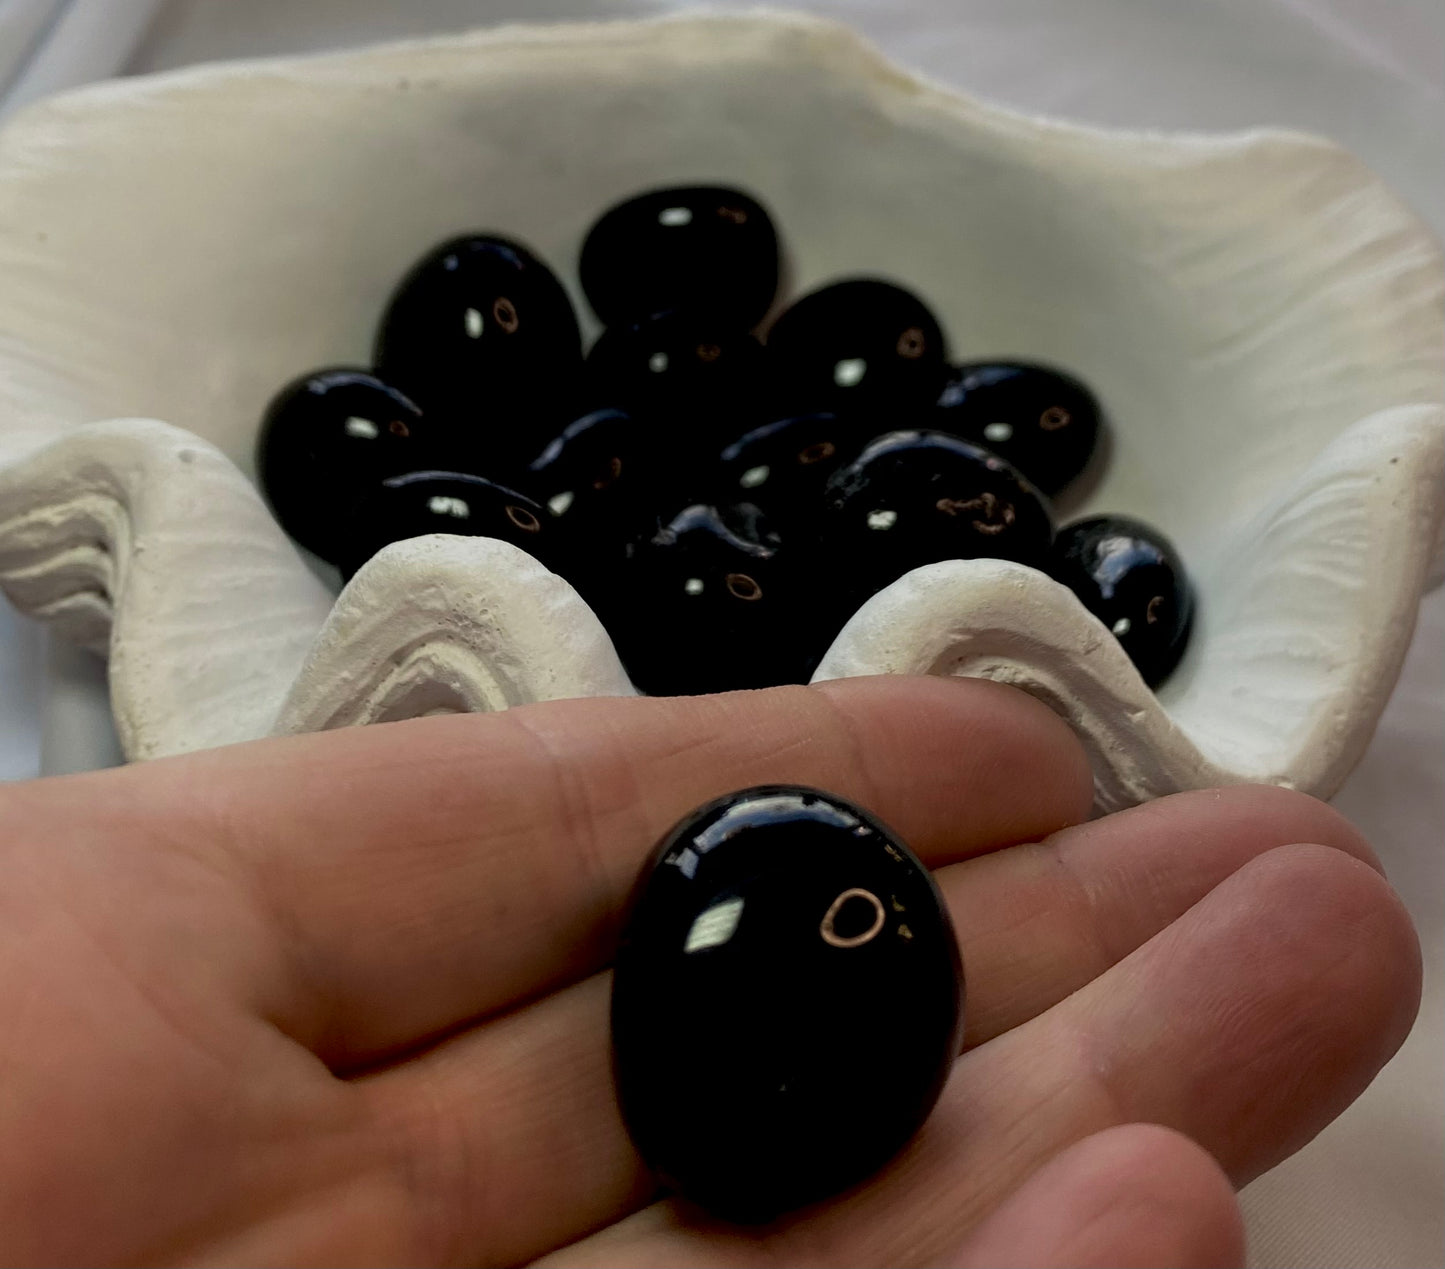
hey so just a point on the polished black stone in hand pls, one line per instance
(422, 502)
(917, 497)
(693, 375)
(713, 602)
(860, 344)
(1131, 578)
(787, 1002)
(783, 467)
(1044, 422)
(482, 332)
(325, 439)
(705, 248)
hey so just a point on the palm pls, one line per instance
(343, 998)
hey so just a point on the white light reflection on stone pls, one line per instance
(715, 925)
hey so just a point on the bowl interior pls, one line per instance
(181, 246)
(201, 238)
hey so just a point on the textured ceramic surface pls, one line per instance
(1260, 316)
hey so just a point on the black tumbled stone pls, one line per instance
(601, 474)
(423, 502)
(714, 602)
(605, 485)
(783, 466)
(325, 440)
(859, 344)
(1131, 578)
(691, 375)
(787, 1001)
(916, 497)
(705, 248)
(1046, 423)
(481, 332)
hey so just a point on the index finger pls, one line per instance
(424, 874)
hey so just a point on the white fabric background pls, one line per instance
(1369, 1191)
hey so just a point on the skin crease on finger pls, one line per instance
(422, 1142)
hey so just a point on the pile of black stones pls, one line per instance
(723, 490)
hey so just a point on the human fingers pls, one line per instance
(1117, 864)
(1133, 1196)
(419, 875)
(1041, 920)
(1248, 1024)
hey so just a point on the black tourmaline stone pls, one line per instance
(916, 498)
(706, 248)
(691, 375)
(861, 344)
(605, 487)
(423, 502)
(482, 333)
(787, 1002)
(715, 602)
(1131, 578)
(784, 466)
(601, 475)
(1044, 422)
(326, 439)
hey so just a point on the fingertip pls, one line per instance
(1344, 901)
(1027, 773)
(1132, 1195)
(1302, 974)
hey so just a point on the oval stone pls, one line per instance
(325, 439)
(1129, 575)
(787, 1001)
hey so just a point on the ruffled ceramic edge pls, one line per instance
(844, 47)
(998, 620)
(97, 530)
(445, 624)
(1002, 621)
(1356, 533)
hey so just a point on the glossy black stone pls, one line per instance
(1131, 578)
(1044, 422)
(860, 344)
(706, 248)
(917, 497)
(602, 474)
(422, 502)
(787, 1001)
(605, 488)
(714, 602)
(481, 331)
(783, 466)
(692, 375)
(325, 439)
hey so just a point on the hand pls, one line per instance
(341, 999)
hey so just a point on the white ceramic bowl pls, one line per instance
(1259, 314)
